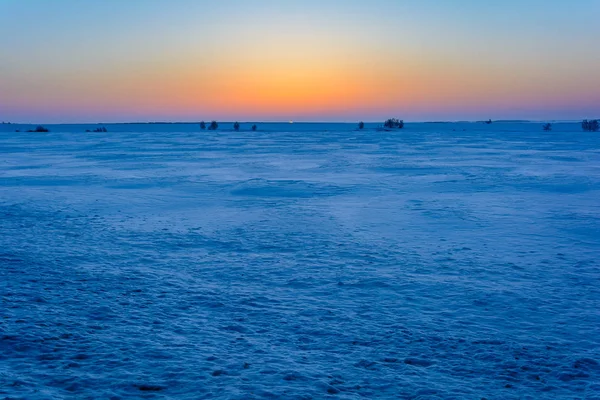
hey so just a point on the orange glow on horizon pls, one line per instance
(293, 85)
(264, 60)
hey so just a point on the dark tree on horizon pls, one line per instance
(213, 126)
(236, 126)
(591, 125)
(548, 127)
(202, 125)
(38, 129)
(254, 127)
(394, 123)
(361, 125)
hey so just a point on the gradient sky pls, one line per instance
(310, 60)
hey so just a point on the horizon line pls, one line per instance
(297, 122)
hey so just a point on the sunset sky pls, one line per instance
(310, 60)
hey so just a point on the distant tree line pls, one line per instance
(214, 126)
(391, 123)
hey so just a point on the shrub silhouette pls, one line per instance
(254, 127)
(202, 125)
(236, 126)
(489, 121)
(213, 126)
(547, 127)
(394, 123)
(39, 128)
(590, 126)
(101, 129)
(361, 125)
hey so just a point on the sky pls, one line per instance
(310, 60)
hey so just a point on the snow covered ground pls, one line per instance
(301, 261)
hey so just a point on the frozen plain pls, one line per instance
(445, 261)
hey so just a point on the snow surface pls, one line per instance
(300, 261)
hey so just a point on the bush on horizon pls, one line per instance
(102, 129)
(202, 125)
(591, 125)
(547, 127)
(254, 127)
(361, 125)
(39, 128)
(236, 126)
(213, 126)
(394, 123)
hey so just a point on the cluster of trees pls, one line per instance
(590, 126)
(394, 123)
(587, 125)
(39, 128)
(101, 129)
(214, 126)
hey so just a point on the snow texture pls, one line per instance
(301, 261)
